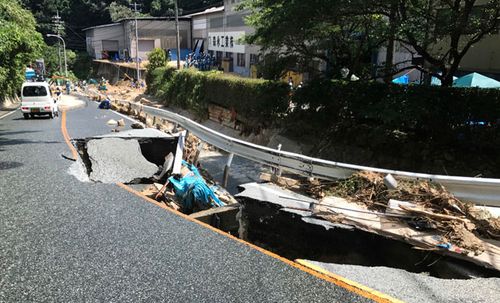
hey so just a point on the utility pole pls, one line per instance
(137, 65)
(58, 29)
(65, 59)
(178, 39)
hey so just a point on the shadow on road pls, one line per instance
(9, 165)
(6, 141)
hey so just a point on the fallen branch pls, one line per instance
(431, 214)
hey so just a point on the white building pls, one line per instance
(118, 39)
(219, 31)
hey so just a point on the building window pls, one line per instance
(218, 56)
(240, 60)
(254, 59)
(229, 55)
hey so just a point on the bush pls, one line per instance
(431, 111)
(256, 101)
(417, 128)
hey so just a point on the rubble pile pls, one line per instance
(417, 204)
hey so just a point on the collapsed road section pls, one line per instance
(356, 221)
(359, 221)
(368, 219)
(151, 161)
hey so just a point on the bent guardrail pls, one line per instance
(478, 190)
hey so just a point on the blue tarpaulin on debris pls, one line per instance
(405, 79)
(192, 189)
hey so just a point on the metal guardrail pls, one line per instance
(484, 191)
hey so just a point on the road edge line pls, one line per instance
(340, 281)
(362, 287)
(8, 114)
(66, 136)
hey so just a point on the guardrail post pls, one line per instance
(279, 171)
(226, 170)
(197, 154)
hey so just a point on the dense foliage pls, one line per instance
(417, 128)
(20, 45)
(259, 102)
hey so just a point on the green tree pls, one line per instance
(345, 33)
(443, 31)
(118, 11)
(324, 31)
(20, 45)
(54, 64)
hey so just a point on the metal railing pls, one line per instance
(484, 191)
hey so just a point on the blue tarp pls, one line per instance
(405, 79)
(192, 191)
(476, 80)
(30, 74)
(184, 53)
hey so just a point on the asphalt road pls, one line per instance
(62, 240)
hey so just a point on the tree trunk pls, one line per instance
(447, 79)
(389, 56)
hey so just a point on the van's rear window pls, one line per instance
(34, 91)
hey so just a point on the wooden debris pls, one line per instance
(281, 181)
(461, 243)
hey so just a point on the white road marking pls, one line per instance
(8, 114)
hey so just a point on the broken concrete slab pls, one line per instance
(138, 133)
(285, 222)
(118, 160)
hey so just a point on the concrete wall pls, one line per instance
(161, 32)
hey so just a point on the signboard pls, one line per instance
(226, 42)
(40, 67)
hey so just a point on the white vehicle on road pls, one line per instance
(37, 99)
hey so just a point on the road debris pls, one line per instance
(118, 160)
(137, 125)
(418, 212)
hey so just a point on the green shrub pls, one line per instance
(417, 128)
(256, 101)
(430, 111)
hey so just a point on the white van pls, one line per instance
(37, 99)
